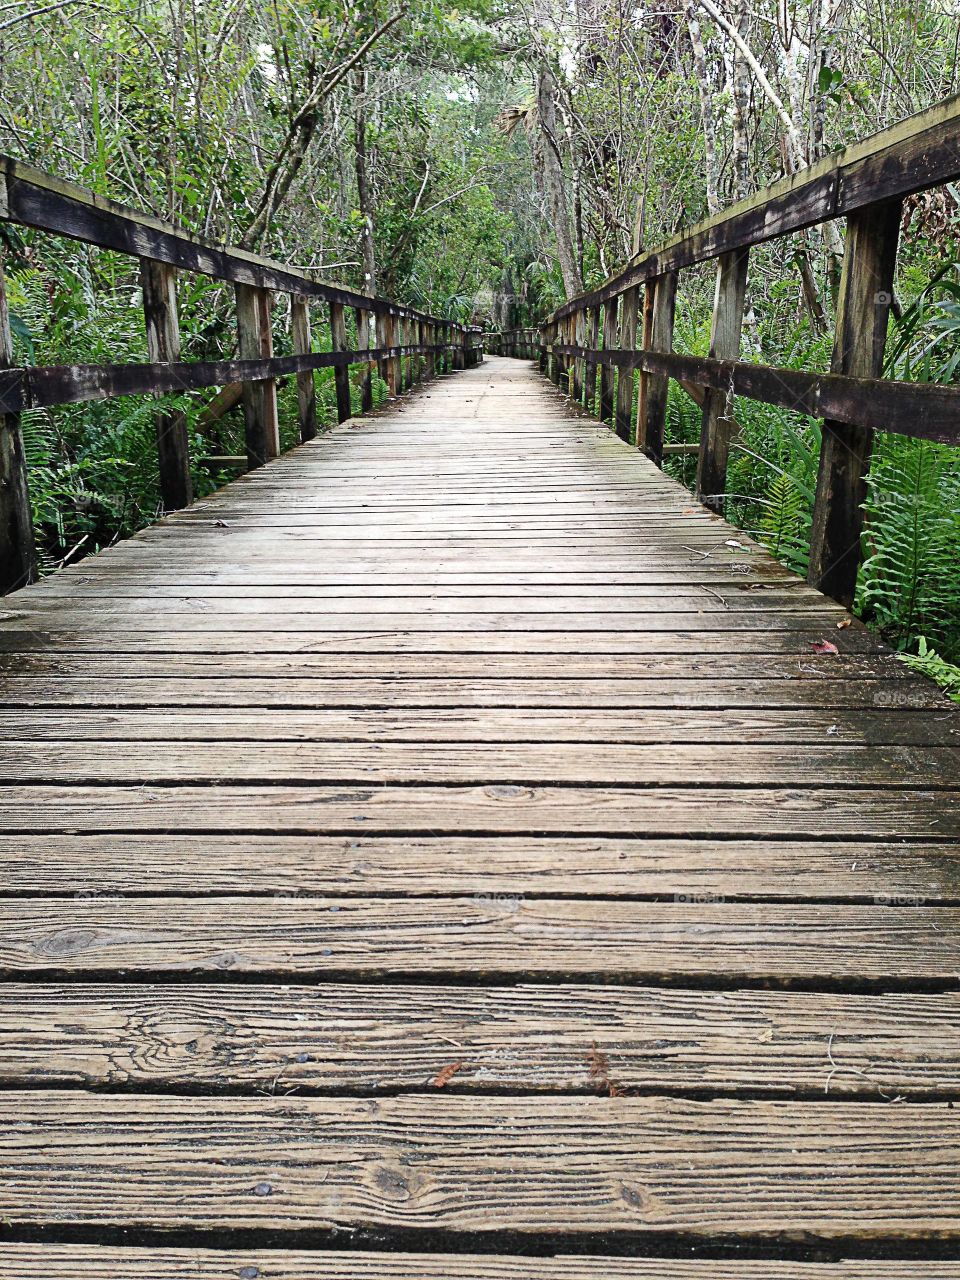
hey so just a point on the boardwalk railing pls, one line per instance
(522, 344)
(866, 183)
(405, 344)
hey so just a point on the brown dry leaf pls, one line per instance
(823, 646)
(844, 623)
(446, 1075)
(599, 1065)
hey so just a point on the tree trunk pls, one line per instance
(706, 109)
(548, 147)
(364, 193)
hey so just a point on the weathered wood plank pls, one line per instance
(794, 727)
(93, 1262)
(538, 764)
(910, 873)
(468, 938)
(525, 1039)
(557, 1166)
(291, 692)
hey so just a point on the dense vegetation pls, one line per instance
(483, 160)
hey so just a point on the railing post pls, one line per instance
(569, 338)
(650, 426)
(457, 347)
(418, 328)
(608, 372)
(866, 291)
(559, 366)
(718, 426)
(406, 370)
(306, 388)
(391, 330)
(341, 372)
(384, 331)
(17, 551)
(159, 284)
(579, 363)
(542, 349)
(625, 377)
(591, 340)
(364, 343)
(259, 398)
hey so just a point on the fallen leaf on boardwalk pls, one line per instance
(446, 1075)
(823, 646)
(844, 623)
(599, 1065)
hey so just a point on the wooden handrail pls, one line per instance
(867, 183)
(409, 344)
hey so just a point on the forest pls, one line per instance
(484, 161)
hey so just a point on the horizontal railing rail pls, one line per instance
(521, 344)
(405, 344)
(596, 333)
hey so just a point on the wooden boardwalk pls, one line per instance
(446, 845)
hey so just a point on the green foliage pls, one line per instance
(929, 663)
(785, 523)
(909, 582)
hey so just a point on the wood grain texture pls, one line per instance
(538, 763)
(551, 1039)
(496, 808)
(856, 870)
(91, 1262)
(493, 935)
(533, 1166)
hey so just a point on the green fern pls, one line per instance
(929, 663)
(909, 583)
(785, 523)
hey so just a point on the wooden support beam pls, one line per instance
(341, 374)
(255, 342)
(611, 330)
(17, 552)
(591, 340)
(650, 427)
(578, 378)
(718, 426)
(159, 284)
(419, 330)
(625, 377)
(384, 338)
(866, 290)
(306, 385)
(365, 340)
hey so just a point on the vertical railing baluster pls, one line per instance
(306, 382)
(718, 426)
(341, 372)
(656, 385)
(625, 377)
(255, 342)
(866, 291)
(159, 285)
(17, 550)
(608, 372)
